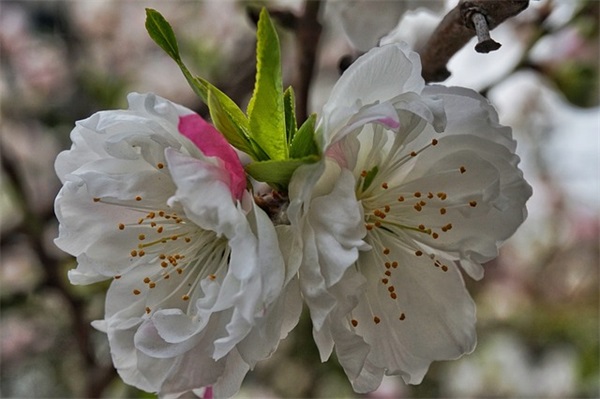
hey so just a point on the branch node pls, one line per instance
(474, 18)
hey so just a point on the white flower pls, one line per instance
(155, 199)
(416, 181)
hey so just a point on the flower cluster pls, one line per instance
(411, 184)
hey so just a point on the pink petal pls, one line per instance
(208, 393)
(213, 144)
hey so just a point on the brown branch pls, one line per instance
(308, 33)
(467, 19)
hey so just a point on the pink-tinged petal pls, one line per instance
(208, 393)
(213, 144)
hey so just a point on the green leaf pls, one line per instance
(277, 173)
(229, 120)
(289, 103)
(304, 143)
(266, 110)
(161, 32)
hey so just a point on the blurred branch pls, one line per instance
(308, 33)
(467, 19)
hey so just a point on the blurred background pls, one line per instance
(538, 305)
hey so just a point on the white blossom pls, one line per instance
(416, 181)
(155, 199)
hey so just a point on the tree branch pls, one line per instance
(467, 19)
(308, 33)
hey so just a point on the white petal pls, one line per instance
(378, 76)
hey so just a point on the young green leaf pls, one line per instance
(266, 109)
(230, 121)
(304, 143)
(277, 173)
(289, 103)
(161, 32)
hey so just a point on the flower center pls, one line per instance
(170, 247)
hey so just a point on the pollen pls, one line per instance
(435, 236)
(434, 142)
(386, 251)
(187, 239)
(385, 280)
(400, 199)
(418, 207)
(148, 310)
(160, 229)
(442, 195)
(402, 317)
(136, 292)
(462, 169)
(141, 253)
(138, 198)
(152, 285)
(393, 295)
(133, 252)
(212, 277)
(354, 322)
(147, 280)
(445, 268)
(442, 211)
(391, 288)
(96, 199)
(121, 226)
(419, 253)
(388, 265)
(185, 297)
(388, 273)
(413, 154)
(376, 320)
(430, 195)
(421, 227)
(473, 204)
(164, 264)
(417, 194)
(394, 264)
(160, 165)
(384, 185)
(118, 276)
(363, 173)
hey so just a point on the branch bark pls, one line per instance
(467, 19)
